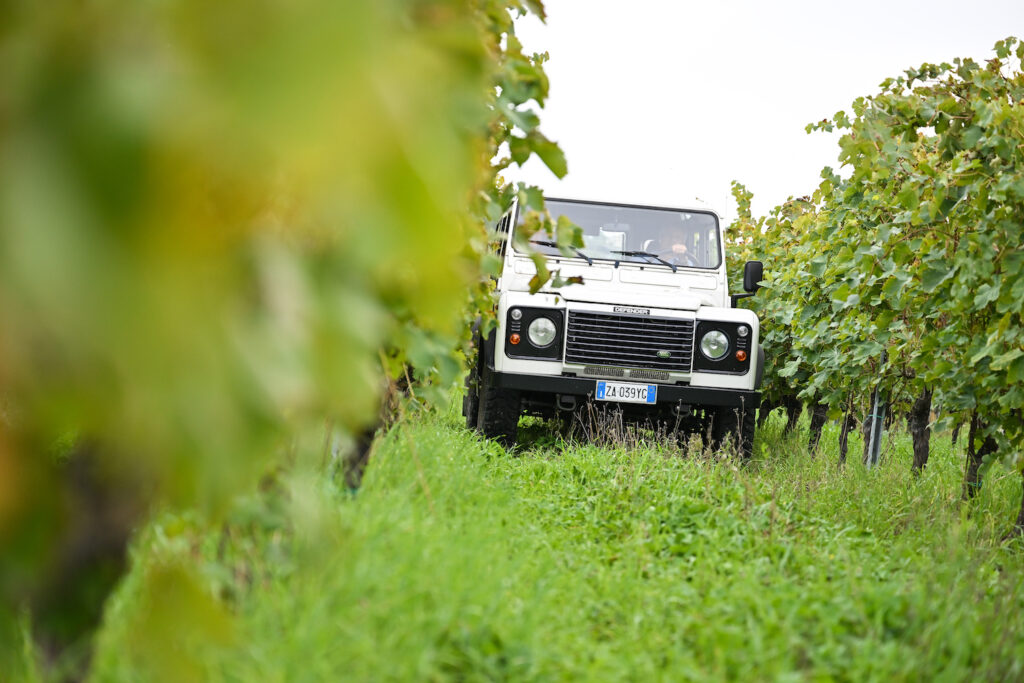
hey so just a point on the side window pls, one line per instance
(506, 222)
(499, 239)
(711, 255)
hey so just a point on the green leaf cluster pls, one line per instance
(914, 249)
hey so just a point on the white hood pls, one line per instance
(649, 287)
(679, 300)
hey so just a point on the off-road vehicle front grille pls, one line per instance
(629, 341)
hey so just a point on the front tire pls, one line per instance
(471, 399)
(735, 426)
(498, 411)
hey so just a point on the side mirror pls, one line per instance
(753, 273)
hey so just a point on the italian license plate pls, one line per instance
(627, 392)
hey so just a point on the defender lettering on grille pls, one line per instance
(632, 310)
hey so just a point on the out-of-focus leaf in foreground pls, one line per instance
(212, 218)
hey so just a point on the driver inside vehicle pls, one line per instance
(670, 245)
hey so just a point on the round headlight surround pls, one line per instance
(714, 344)
(542, 332)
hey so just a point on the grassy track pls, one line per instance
(459, 562)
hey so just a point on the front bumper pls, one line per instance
(668, 394)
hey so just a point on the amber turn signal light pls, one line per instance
(741, 355)
(514, 339)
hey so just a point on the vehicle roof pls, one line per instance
(632, 205)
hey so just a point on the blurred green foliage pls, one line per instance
(222, 223)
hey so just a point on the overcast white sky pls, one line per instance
(659, 101)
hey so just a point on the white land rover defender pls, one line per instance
(652, 329)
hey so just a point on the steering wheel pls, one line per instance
(685, 260)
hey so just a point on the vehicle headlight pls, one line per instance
(542, 332)
(714, 344)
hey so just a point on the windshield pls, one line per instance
(667, 237)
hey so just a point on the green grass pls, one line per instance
(456, 561)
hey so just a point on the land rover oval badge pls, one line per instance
(664, 354)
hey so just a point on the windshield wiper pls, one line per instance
(549, 243)
(648, 255)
